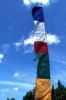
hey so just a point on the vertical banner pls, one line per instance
(43, 82)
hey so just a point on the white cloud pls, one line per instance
(18, 44)
(28, 2)
(51, 39)
(19, 84)
(28, 51)
(42, 2)
(19, 75)
(16, 89)
(1, 57)
(30, 40)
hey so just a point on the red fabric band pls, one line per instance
(40, 47)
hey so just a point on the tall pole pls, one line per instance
(43, 82)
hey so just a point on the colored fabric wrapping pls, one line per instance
(40, 47)
(43, 89)
(43, 82)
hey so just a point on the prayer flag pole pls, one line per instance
(43, 82)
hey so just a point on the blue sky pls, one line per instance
(17, 68)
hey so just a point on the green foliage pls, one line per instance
(60, 92)
(29, 95)
(53, 93)
(7, 98)
(11, 99)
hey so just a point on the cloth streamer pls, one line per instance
(43, 82)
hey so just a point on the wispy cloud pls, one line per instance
(18, 44)
(28, 50)
(19, 75)
(5, 47)
(1, 57)
(16, 74)
(60, 61)
(41, 2)
(3, 90)
(16, 89)
(3, 50)
(19, 84)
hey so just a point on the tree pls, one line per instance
(7, 98)
(29, 95)
(53, 93)
(12, 99)
(60, 91)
